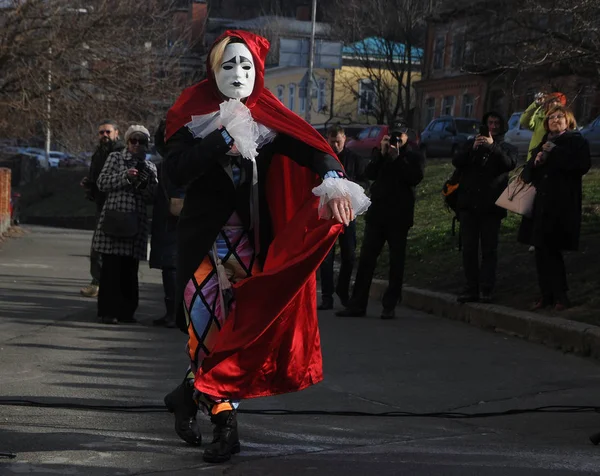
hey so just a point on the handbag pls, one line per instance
(175, 206)
(518, 197)
(120, 224)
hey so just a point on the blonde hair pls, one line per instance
(570, 118)
(216, 54)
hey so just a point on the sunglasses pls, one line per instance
(104, 132)
(556, 117)
(135, 141)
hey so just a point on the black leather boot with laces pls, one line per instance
(225, 438)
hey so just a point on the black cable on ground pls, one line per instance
(281, 412)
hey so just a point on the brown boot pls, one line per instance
(225, 438)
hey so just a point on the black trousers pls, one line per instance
(347, 242)
(476, 229)
(95, 258)
(119, 293)
(376, 235)
(552, 275)
(169, 281)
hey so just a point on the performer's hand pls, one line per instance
(341, 210)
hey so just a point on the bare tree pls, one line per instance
(90, 60)
(385, 39)
(555, 37)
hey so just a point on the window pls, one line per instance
(364, 134)
(448, 106)
(438, 126)
(292, 96)
(302, 98)
(366, 99)
(280, 92)
(321, 98)
(468, 105)
(438, 53)
(513, 122)
(429, 110)
(458, 49)
(374, 132)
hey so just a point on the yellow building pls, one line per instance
(355, 96)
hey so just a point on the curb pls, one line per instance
(558, 333)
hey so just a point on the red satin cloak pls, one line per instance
(270, 343)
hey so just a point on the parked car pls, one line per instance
(368, 139)
(351, 130)
(592, 133)
(518, 135)
(447, 135)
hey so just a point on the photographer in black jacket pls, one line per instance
(396, 171)
(483, 167)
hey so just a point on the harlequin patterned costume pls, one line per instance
(249, 242)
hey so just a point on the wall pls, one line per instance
(5, 191)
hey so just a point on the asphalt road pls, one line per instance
(52, 350)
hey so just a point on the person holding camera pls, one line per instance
(560, 161)
(129, 181)
(483, 168)
(534, 115)
(396, 170)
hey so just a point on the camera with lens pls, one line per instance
(144, 173)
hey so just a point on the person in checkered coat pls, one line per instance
(129, 181)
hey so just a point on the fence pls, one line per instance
(5, 177)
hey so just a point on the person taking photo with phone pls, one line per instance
(534, 115)
(483, 168)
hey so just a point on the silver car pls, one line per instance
(592, 133)
(518, 135)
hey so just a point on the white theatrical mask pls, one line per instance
(236, 74)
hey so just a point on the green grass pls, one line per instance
(434, 262)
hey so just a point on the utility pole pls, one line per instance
(311, 61)
(48, 108)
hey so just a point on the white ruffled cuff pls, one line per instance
(340, 187)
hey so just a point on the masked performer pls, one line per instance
(265, 200)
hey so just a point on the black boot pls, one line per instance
(181, 403)
(225, 438)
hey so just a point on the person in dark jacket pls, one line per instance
(557, 166)
(483, 168)
(109, 142)
(347, 240)
(163, 244)
(396, 171)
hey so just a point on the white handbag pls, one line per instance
(518, 197)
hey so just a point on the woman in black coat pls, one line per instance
(556, 169)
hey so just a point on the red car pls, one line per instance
(367, 141)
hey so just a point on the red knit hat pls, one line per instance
(560, 96)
